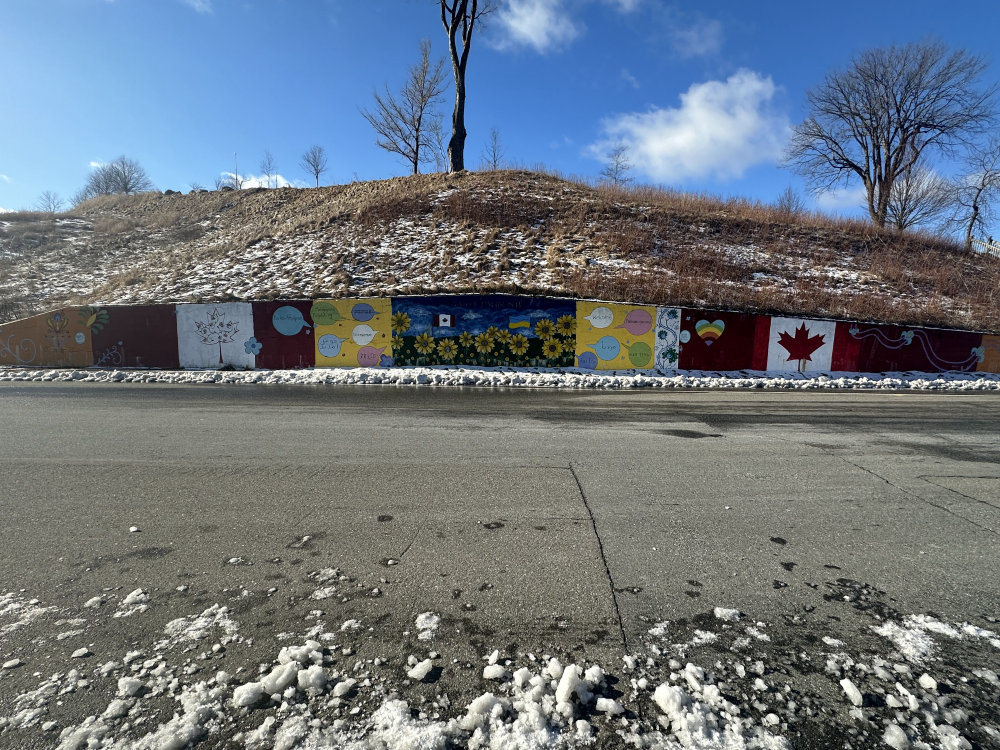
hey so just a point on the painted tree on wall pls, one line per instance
(217, 330)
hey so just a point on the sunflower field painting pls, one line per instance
(488, 331)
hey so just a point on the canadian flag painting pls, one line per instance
(800, 345)
(444, 320)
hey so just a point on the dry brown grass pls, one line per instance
(641, 244)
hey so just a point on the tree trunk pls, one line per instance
(456, 145)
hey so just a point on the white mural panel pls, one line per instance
(215, 335)
(668, 331)
(800, 345)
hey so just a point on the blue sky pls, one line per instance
(704, 92)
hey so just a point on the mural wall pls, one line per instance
(352, 333)
(484, 331)
(479, 331)
(615, 337)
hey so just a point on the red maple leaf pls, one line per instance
(801, 346)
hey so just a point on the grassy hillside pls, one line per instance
(509, 231)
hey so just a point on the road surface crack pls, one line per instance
(604, 559)
(915, 496)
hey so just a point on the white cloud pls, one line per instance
(625, 6)
(5, 178)
(544, 25)
(630, 79)
(200, 6)
(701, 39)
(720, 130)
(252, 181)
(96, 164)
(843, 199)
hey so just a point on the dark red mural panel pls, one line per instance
(883, 348)
(285, 332)
(134, 336)
(712, 340)
(846, 349)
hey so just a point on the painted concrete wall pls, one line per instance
(481, 331)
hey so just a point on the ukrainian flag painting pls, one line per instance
(519, 321)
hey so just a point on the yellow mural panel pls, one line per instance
(353, 332)
(613, 336)
(61, 338)
(991, 354)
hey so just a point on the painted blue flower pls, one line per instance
(908, 337)
(385, 361)
(252, 346)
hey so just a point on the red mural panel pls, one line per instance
(712, 340)
(846, 349)
(284, 331)
(134, 336)
(884, 348)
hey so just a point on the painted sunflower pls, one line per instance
(400, 322)
(566, 325)
(503, 337)
(424, 343)
(466, 339)
(397, 343)
(447, 349)
(484, 344)
(552, 348)
(545, 329)
(518, 345)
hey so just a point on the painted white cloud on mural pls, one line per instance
(720, 129)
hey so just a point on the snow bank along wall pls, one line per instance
(480, 331)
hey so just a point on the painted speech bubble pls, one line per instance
(362, 335)
(288, 320)
(362, 312)
(588, 361)
(324, 314)
(600, 317)
(607, 348)
(369, 356)
(637, 322)
(329, 345)
(639, 354)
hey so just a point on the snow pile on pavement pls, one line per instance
(738, 694)
(523, 378)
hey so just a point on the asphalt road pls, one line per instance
(529, 520)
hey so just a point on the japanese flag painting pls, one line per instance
(800, 345)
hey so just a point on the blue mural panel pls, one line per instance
(484, 331)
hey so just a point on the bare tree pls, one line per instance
(267, 166)
(459, 19)
(437, 145)
(977, 193)
(400, 120)
(493, 152)
(876, 120)
(919, 197)
(123, 175)
(789, 202)
(237, 182)
(49, 202)
(616, 171)
(314, 162)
